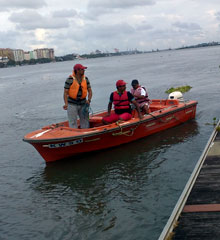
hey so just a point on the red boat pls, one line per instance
(58, 141)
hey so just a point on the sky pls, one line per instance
(74, 26)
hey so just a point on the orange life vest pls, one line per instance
(121, 101)
(74, 88)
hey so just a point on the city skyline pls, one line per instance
(19, 55)
(72, 26)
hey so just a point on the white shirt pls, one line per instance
(143, 92)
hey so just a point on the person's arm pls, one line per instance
(140, 97)
(65, 97)
(89, 96)
(138, 109)
(143, 94)
(109, 108)
(110, 104)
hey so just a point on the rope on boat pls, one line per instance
(170, 118)
(128, 133)
(151, 115)
(167, 120)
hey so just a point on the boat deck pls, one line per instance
(197, 213)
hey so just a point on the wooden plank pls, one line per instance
(198, 226)
(217, 138)
(202, 208)
(203, 187)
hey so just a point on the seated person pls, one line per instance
(141, 96)
(121, 100)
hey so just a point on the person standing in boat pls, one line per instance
(121, 100)
(140, 95)
(76, 90)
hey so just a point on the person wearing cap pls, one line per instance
(77, 97)
(140, 95)
(121, 100)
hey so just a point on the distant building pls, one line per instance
(39, 53)
(51, 53)
(98, 52)
(45, 53)
(33, 55)
(6, 52)
(4, 59)
(18, 55)
(27, 56)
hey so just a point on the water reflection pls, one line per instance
(127, 160)
(100, 186)
(127, 155)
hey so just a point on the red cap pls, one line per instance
(120, 83)
(79, 66)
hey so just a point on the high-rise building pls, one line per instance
(45, 53)
(6, 52)
(18, 55)
(27, 56)
(33, 54)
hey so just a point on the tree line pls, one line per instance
(12, 63)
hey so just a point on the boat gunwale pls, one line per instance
(87, 135)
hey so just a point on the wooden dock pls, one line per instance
(196, 215)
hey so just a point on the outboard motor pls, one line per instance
(176, 95)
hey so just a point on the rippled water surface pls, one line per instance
(126, 192)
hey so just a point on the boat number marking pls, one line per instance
(64, 144)
(188, 111)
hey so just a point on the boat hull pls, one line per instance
(67, 142)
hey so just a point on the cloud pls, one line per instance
(187, 26)
(21, 40)
(144, 27)
(65, 13)
(84, 26)
(100, 7)
(119, 4)
(9, 38)
(18, 4)
(31, 20)
(109, 31)
(217, 15)
(91, 37)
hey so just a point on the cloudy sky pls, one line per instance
(74, 26)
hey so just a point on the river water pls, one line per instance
(127, 192)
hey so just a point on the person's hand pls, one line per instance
(141, 116)
(88, 102)
(65, 107)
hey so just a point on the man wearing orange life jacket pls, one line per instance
(121, 100)
(140, 95)
(76, 89)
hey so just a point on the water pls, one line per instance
(127, 192)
